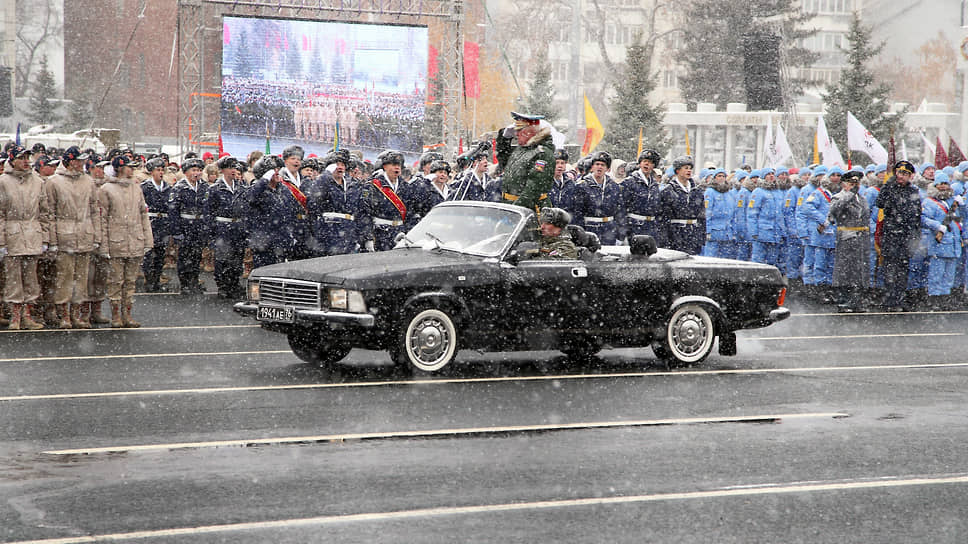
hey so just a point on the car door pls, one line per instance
(545, 295)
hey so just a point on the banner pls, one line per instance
(861, 139)
(768, 145)
(781, 148)
(472, 81)
(595, 131)
(831, 155)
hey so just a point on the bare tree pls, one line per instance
(38, 23)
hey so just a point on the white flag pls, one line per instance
(831, 155)
(768, 145)
(903, 152)
(861, 139)
(781, 148)
(930, 147)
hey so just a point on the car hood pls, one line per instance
(380, 269)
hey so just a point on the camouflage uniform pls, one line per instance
(529, 174)
(558, 247)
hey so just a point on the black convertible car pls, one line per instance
(468, 276)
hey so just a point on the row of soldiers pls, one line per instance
(83, 233)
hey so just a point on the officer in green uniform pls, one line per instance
(529, 173)
(556, 243)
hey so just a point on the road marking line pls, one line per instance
(385, 383)
(141, 356)
(140, 329)
(275, 352)
(319, 521)
(770, 418)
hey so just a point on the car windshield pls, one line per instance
(467, 229)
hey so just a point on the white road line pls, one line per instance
(274, 352)
(322, 521)
(465, 431)
(139, 329)
(442, 381)
(141, 356)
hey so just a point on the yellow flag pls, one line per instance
(639, 152)
(816, 150)
(688, 149)
(593, 129)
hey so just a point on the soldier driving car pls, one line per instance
(556, 242)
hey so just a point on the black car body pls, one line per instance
(466, 278)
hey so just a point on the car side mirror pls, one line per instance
(524, 251)
(643, 244)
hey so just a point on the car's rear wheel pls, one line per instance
(315, 350)
(427, 339)
(689, 336)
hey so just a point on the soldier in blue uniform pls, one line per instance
(741, 194)
(822, 237)
(598, 202)
(803, 226)
(794, 253)
(224, 214)
(870, 193)
(764, 220)
(719, 203)
(156, 192)
(388, 205)
(188, 230)
(271, 214)
(682, 209)
(476, 183)
(641, 199)
(333, 201)
(436, 188)
(563, 185)
(941, 235)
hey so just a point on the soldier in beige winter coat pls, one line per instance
(125, 237)
(24, 235)
(74, 234)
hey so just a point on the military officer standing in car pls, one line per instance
(529, 172)
(187, 227)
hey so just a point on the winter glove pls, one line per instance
(3, 253)
(370, 246)
(942, 229)
(960, 200)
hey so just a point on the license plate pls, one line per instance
(285, 314)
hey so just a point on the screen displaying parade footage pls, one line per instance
(314, 82)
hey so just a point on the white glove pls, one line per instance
(3, 253)
(96, 245)
(370, 246)
(960, 200)
(147, 250)
(44, 248)
(942, 228)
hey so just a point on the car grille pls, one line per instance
(296, 293)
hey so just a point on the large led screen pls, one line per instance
(300, 82)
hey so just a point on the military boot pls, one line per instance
(15, 311)
(28, 322)
(96, 317)
(79, 318)
(116, 321)
(64, 316)
(126, 317)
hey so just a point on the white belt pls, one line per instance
(638, 217)
(387, 222)
(226, 219)
(599, 219)
(684, 221)
(334, 215)
(156, 214)
(190, 216)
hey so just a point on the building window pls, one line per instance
(669, 79)
(828, 7)
(561, 71)
(142, 71)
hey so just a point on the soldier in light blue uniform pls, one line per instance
(764, 219)
(794, 254)
(803, 227)
(941, 235)
(822, 237)
(869, 194)
(742, 241)
(720, 203)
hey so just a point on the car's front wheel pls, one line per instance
(427, 339)
(315, 350)
(689, 335)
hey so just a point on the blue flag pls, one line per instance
(16, 140)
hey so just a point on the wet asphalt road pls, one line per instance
(201, 427)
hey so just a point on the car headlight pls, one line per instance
(347, 299)
(253, 288)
